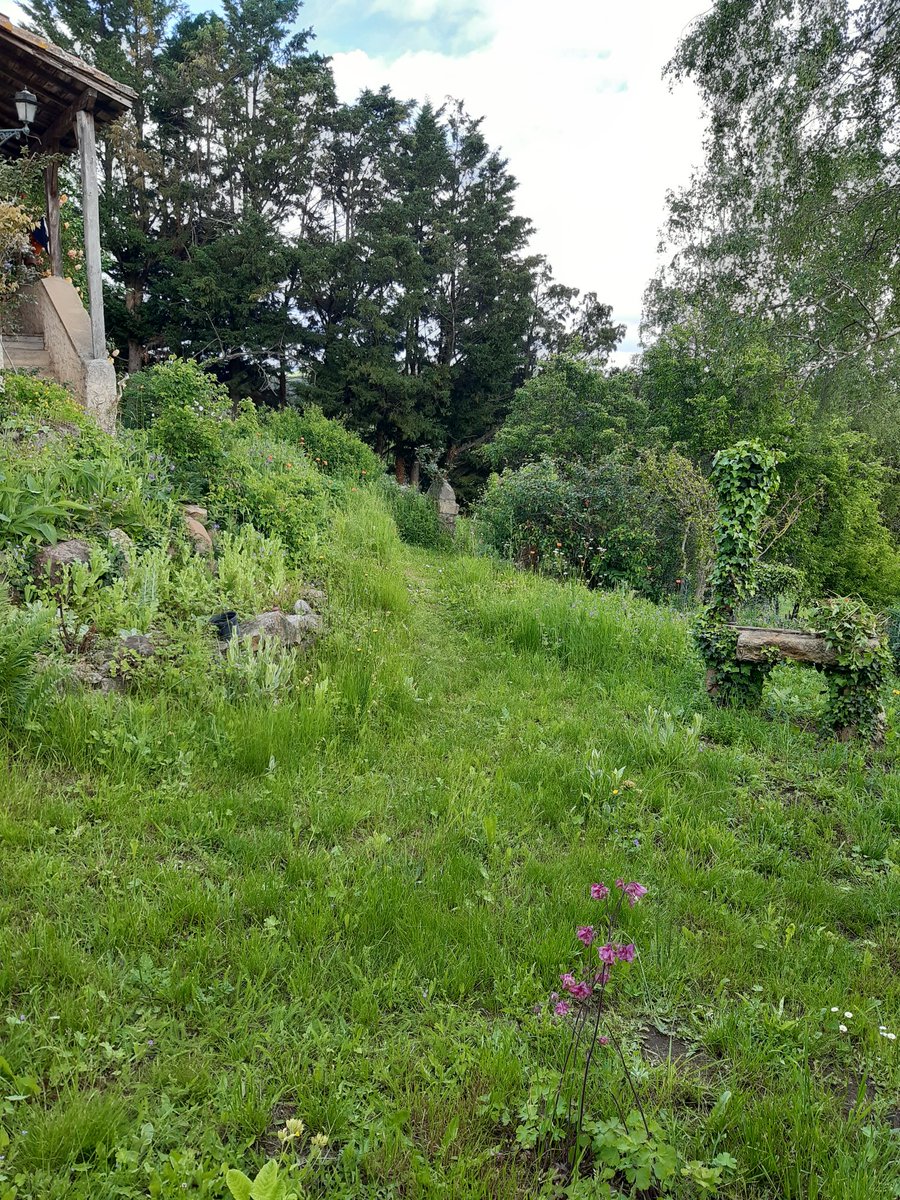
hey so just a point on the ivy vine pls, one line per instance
(854, 633)
(745, 477)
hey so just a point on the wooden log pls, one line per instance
(90, 207)
(795, 644)
(51, 193)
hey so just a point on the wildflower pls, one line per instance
(615, 791)
(567, 980)
(599, 891)
(834, 1008)
(604, 1040)
(537, 1010)
(562, 1009)
(607, 954)
(554, 996)
(602, 977)
(320, 1141)
(293, 1129)
(585, 934)
(580, 991)
(848, 1015)
(625, 953)
(842, 1028)
(634, 891)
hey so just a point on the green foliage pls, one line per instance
(745, 478)
(191, 441)
(329, 444)
(269, 1184)
(23, 634)
(598, 522)
(569, 412)
(853, 631)
(414, 514)
(28, 404)
(275, 488)
(32, 508)
(178, 383)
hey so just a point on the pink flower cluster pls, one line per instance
(633, 891)
(609, 953)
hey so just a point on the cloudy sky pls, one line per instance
(571, 90)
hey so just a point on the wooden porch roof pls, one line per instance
(62, 83)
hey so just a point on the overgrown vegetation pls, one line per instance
(280, 918)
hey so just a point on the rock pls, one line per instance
(443, 497)
(135, 646)
(122, 545)
(50, 562)
(314, 597)
(303, 609)
(194, 516)
(288, 629)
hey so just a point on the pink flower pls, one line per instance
(604, 1041)
(620, 883)
(554, 996)
(580, 991)
(585, 933)
(625, 953)
(562, 1009)
(607, 953)
(599, 891)
(602, 977)
(567, 980)
(634, 891)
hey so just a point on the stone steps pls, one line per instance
(25, 354)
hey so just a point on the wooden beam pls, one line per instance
(66, 120)
(794, 644)
(90, 205)
(51, 193)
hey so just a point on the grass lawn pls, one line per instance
(344, 908)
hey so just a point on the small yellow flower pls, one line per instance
(320, 1141)
(293, 1129)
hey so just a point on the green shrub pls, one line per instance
(279, 492)
(333, 448)
(22, 635)
(28, 403)
(415, 516)
(192, 442)
(177, 383)
(598, 523)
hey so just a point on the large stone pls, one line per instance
(443, 497)
(194, 516)
(286, 629)
(51, 561)
(122, 545)
(312, 596)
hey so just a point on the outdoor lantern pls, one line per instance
(26, 106)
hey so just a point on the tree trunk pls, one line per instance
(414, 473)
(136, 356)
(400, 468)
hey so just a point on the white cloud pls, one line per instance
(573, 94)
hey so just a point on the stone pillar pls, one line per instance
(443, 497)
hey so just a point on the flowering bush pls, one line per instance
(333, 448)
(598, 523)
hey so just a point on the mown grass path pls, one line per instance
(215, 915)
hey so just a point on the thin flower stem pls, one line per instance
(640, 1107)
(587, 1067)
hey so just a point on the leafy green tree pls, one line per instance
(571, 412)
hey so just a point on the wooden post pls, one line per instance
(90, 204)
(51, 193)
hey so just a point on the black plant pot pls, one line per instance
(225, 624)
